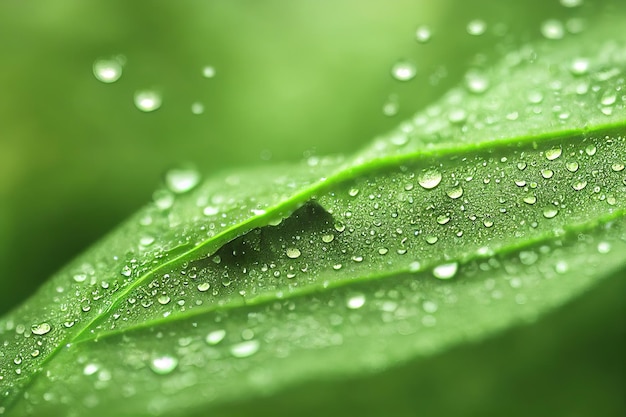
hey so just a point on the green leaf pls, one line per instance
(486, 210)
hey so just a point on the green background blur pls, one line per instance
(293, 78)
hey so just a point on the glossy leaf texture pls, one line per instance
(487, 209)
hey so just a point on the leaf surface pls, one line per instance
(485, 210)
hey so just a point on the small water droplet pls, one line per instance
(547, 173)
(430, 306)
(80, 277)
(553, 153)
(443, 219)
(521, 166)
(591, 150)
(353, 192)
(552, 29)
(476, 82)
(107, 70)
(181, 180)
(431, 240)
(608, 98)
(530, 199)
(415, 266)
(293, 253)
(617, 167)
(163, 299)
(580, 66)
(572, 166)
(571, 3)
(163, 199)
(561, 267)
(355, 301)
(126, 271)
(476, 27)
(216, 336)
(163, 365)
(535, 97)
(147, 100)
(40, 329)
(208, 71)
(90, 369)
(455, 192)
(328, 238)
(245, 349)
(579, 185)
(403, 71)
(446, 271)
(204, 286)
(487, 222)
(604, 247)
(391, 107)
(197, 107)
(357, 258)
(210, 211)
(423, 34)
(429, 179)
(550, 212)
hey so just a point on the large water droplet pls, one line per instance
(293, 253)
(550, 212)
(446, 271)
(403, 71)
(455, 192)
(147, 100)
(107, 70)
(40, 329)
(181, 180)
(245, 349)
(216, 336)
(163, 365)
(580, 66)
(355, 301)
(430, 179)
(554, 153)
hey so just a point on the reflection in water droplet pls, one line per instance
(147, 100)
(107, 70)
(216, 336)
(476, 27)
(182, 180)
(429, 179)
(403, 71)
(552, 29)
(423, 34)
(163, 365)
(40, 329)
(446, 271)
(356, 301)
(245, 349)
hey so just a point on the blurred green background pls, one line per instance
(293, 78)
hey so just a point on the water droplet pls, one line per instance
(553, 153)
(571, 3)
(423, 34)
(383, 251)
(580, 66)
(431, 240)
(552, 29)
(572, 166)
(446, 271)
(476, 27)
(608, 98)
(443, 219)
(210, 211)
(181, 180)
(208, 72)
(455, 192)
(163, 299)
(403, 71)
(547, 173)
(476, 82)
(488, 222)
(163, 199)
(415, 266)
(126, 271)
(535, 97)
(245, 349)
(40, 329)
(216, 336)
(197, 108)
(591, 150)
(356, 258)
(90, 369)
(604, 247)
(80, 277)
(430, 179)
(561, 267)
(204, 286)
(355, 301)
(328, 238)
(163, 365)
(530, 199)
(617, 167)
(147, 100)
(293, 253)
(430, 306)
(550, 212)
(353, 192)
(579, 185)
(391, 107)
(107, 70)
